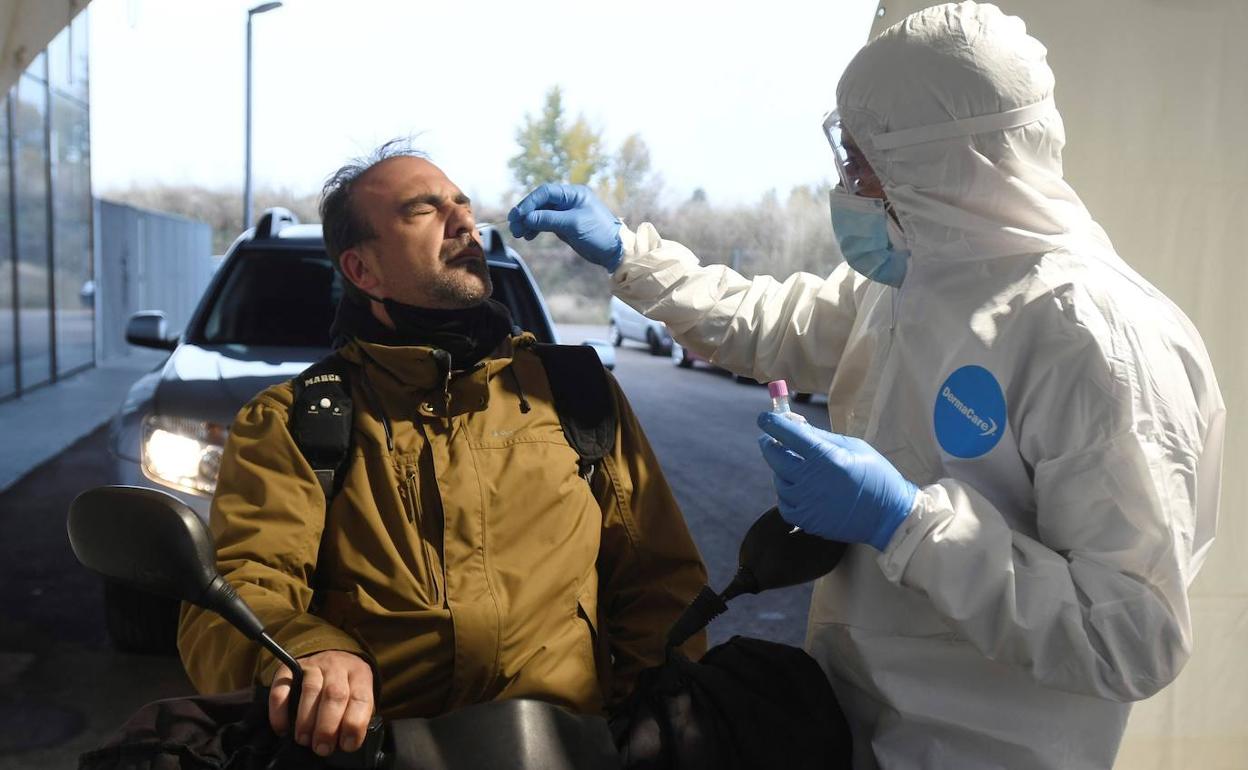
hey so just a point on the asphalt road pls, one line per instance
(63, 689)
(701, 424)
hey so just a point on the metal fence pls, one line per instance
(146, 260)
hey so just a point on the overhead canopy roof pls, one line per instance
(26, 28)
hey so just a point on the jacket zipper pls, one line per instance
(416, 518)
(443, 360)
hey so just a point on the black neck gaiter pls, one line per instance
(469, 334)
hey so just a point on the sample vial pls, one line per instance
(779, 392)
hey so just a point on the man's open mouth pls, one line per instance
(472, 253)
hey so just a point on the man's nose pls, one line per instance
(460, 221)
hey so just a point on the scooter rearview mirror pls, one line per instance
(773, 554)
(143, 538)
(154, 542)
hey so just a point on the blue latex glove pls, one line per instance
(834, 486)
(574, 213)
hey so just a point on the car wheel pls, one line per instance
(802, 398)
(653, 342)
(680, 357)
(139, 621)
(614, 335)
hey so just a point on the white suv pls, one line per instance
(628, 324)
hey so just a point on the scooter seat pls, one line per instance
(517, 734)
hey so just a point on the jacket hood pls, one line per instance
(953, 107)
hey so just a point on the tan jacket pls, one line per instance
(470, 563)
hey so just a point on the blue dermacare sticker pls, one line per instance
(970, 412)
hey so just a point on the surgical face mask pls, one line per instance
(870, 240)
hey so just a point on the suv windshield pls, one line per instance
(275, 297)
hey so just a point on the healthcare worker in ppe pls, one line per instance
(1028, 435)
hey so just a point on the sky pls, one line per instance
(728, 95)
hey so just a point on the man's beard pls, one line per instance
(463, 285)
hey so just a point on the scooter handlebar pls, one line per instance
(372, 753)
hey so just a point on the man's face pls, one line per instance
(426, 251)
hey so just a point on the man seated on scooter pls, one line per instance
(465, 557)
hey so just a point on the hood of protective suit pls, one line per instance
(953, 107)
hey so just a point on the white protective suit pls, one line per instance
(1059, 414)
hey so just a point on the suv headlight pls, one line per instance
(183, 453)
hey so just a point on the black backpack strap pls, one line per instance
(321, 419)
(583, 399)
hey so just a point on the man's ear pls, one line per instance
(357, 269)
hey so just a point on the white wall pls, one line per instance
(146, 260)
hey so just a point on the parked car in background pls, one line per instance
(264, 318)
(686, 358)
(628, 324)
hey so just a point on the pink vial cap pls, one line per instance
(778, 389)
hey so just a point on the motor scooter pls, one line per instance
(154, 542)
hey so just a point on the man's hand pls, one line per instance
(335, 705)
(574, 213)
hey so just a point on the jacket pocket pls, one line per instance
(416, 517)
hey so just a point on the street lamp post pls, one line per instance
(262, 8)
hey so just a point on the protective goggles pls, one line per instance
(856, 175)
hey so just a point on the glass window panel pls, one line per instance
(67, 60)
(30, 169)
(71, 236)
(78, 58)
(58, 60)
(8, 363)
(39, 66)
